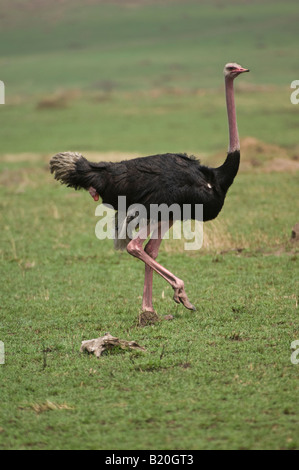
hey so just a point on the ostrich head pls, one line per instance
(232, 70)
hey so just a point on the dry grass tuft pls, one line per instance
(49, 406)
(216, 239)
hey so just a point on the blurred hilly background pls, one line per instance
(144, 76)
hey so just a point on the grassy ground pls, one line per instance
(217, 378)
(220, 378)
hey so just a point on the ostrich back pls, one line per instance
(158, 179)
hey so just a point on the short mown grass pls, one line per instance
(217, 378)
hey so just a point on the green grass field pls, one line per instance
(115, 79)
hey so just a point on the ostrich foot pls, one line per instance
(148, 317)
(180, 296)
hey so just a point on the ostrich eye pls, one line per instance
(230, 68)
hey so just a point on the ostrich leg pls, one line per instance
(152, 249)
(135, 248)
(147, 300)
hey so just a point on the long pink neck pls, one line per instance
(228, 170)
(234, 143)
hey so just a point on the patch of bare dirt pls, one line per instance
(59, 100)
(259, 156)
(282, 165)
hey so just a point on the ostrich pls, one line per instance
(158, 179)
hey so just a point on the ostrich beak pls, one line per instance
(241, 70)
